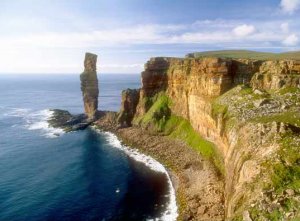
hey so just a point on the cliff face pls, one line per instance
(248, 109)
(192, 84)
(130, 99)
(274, 75)
(89, 85)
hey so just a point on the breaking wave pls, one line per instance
(171, 212)
(36, 120)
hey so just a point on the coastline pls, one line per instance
(198, 186)
(171, 212)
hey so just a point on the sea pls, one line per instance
(49, 175)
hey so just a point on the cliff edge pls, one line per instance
(227, 128)
(243, 115)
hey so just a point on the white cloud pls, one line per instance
(147, 34)
(290, 6)
(244, 30)
(217, 23)
(130, 35)
(291, 40)
(152, 34)
(62, 61)
(63, 51)
(121, 66)
(285, 27)
(201, 37)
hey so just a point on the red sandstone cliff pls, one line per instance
(197, 86)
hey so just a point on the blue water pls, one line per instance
(76, 176)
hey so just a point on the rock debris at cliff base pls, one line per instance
(249, 109)
(228, 128)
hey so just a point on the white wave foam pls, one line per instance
(39, 121)
(171, 212)
(36, 120)
(17, 112)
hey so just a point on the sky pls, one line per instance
(52, 36)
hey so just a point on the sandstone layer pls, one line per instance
(89, 85)
(249, 109)
(229, 130)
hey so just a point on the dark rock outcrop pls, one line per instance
(130, 99)
(68, 122)
(89, 86)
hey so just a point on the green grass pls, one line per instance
(292, 118)
(160, 119)
(286, 90)
(285, 176)
(246, 54)
(180, 128)
(219, 108)
(158, 112)
(286, 173)
(277, 214)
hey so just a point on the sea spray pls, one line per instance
(36, 120)
(39, 121)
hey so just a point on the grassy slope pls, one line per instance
(160, 119)
(283, 173)
(246, 54)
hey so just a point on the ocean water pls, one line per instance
(84, 175)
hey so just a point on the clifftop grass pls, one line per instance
(286, 172)
(280, 172)
(246, 54)
(284, 176)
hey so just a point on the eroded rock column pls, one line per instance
(130, 99)
(89, 85)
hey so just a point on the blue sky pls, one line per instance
(39, 36)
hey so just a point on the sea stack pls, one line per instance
(89, 86)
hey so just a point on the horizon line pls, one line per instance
(58, 73)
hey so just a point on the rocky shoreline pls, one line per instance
(199, 187)
(227, 129)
